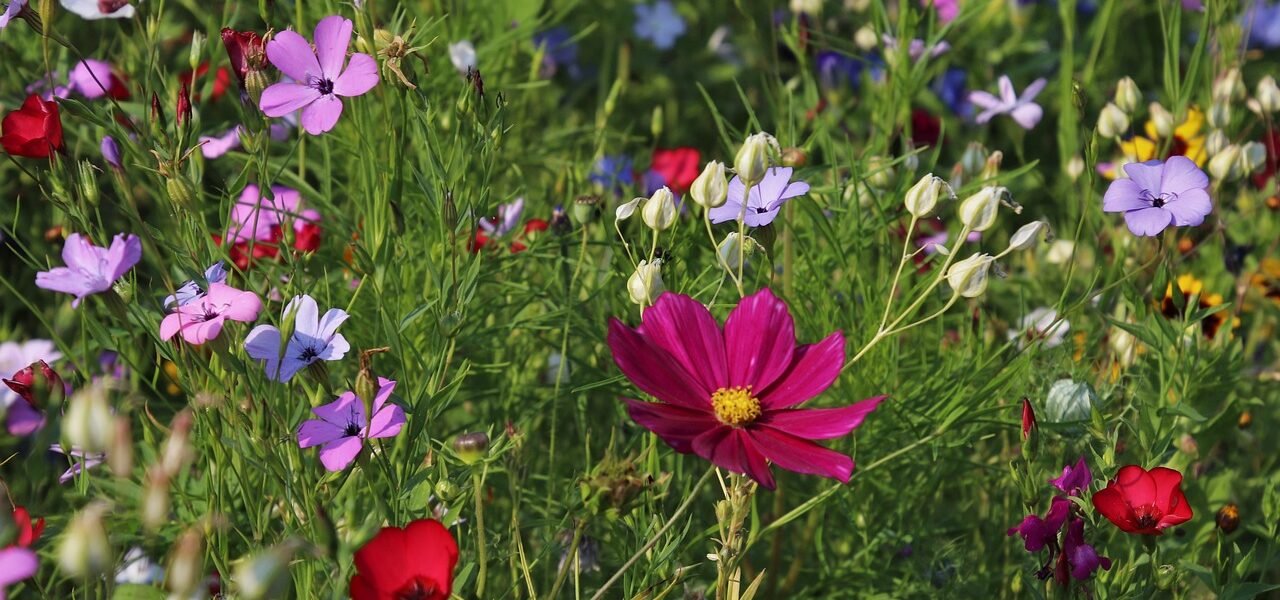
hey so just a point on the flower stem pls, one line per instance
(482, 549)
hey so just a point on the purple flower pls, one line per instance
(1022, 108)
(343, 426)
(16, 563)
(660, 24)
(612, 172)
(1080, 557)
(561, 52)
(93, 79)
(254, 217)
(766, 198)
(1263, 22)
(90, 269)
(111, 151)
(1075, 479)
(11, 11)
(192, 290)
(916, 49)
(86, 461)
(836, 70)
(950, 89)
(1159, 194)
(214, 146)
(507, 221)
(202, 320)
(314, 338)
(322, 76)
(1037, 532)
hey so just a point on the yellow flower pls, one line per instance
(1188, 141)
(1192, 289)
(1267, 279)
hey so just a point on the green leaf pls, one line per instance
(134, 591)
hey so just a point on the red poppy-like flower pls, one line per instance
(729, 395)
(677, 166)
(28, 531)
(926, 129)
(33, 131)
(1145, 502)
(221, 80)
(414, 562)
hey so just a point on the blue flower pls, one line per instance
(950, 88)
(660, 24)
(1263, 22)
(836, 70)
(560, 52)
(314, 338)
(612, 172)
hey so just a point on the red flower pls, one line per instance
(306, 237)
(33, 131)
(1272, 143)
(46, 388)
(926, 129)
(1141, 501)
(221, 80)
(678, 167)
(414, 562)
(28, 531)
(245, 50)
(1028, 418)
(183, 111)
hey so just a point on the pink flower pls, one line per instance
(343, 426)
(318, 77)
(16, 564)
(254, 217)
(202, 320)
(90, 269)
(729, 395)
(947, 9)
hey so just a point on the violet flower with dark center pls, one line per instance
(314, 338)
(1158, 194)
(319, 76)
(343, 426)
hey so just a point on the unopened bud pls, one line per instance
(586, 208)
(1219, 115)
(735, 250)
(177, 451)
(866, 38)
(1075, 167)
(659, 211)
(973, 159)
(1268, 94)
(711, 188)
(1127, 96)
(1112, 122)
(1253, 157)
(968, 277)
(155, 499)
(85, 551)
(1216, 142)
(879, 172)
(265, 574)
(178, 190)
(186, 564)
(645, 285)
(755, 157)
(88, 425)
(1225, 165)
(1229, 86)
(1027, 235)
(1228, 517)
(255, 82)
(922, 198)
(978, 212)
(992, 167)
(794, 157)
(120, 456)
(1162, 119)
(471, 447)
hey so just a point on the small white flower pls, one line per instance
(1041, 324)
(463, 56)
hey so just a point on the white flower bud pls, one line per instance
(1124, 346)
(1253, 156)
(645, 285)
(626, 209)
(710, 189)
(1162, 119)
(879, 172)
(88, 425)
(659, 211)
(1219, 114)
(809, 7)
(463, 56)
(1216, 142)
(155, 499)
(1225, 165)
(186, 564)
(1112, 122)
(265, 574)
(866, 38)
(733, 254)
(968, 277)
(1026, 236)
(1069, 401)
(1268, 94)
(974, 158)
(978, 212)
(1127, 95)
(85, 551)
(1060, 252)
(922, 198)
(1075, 167)
(1229, 86)
(754, 158)
(857, 5)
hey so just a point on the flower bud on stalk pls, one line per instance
(186, 564)
(1112, 122)
(88, 425)
(879, 172)
(120, 456)
(710, 189)
(968, 277)
(1127, 95)
(992, 167)
(973, 159)
(183, 109)
(177, 452)
(155, 498)
(1225, 165)
(754, 158)
(1216, 142)
(1026, 236)
(659, 211)
(85, 551)
(471, 447)
(978, 212)
(1219, 115)
(1253, 156)
(922, 198)
(586, 208)
(732, 254)
(1229, 87)
(645, 285)
(1268, 94)
(1162, 119)
(265, 574)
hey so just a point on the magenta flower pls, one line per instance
(201, 320)
(1075, 479)
(342, 427)
(1022, 108)
(95, 79)
(1158, 194)
(90, 269)
(16, 563)
(947, 9)
(314, 338)
(256, 218)
(766, 199)
(729, 395)
(319, 77)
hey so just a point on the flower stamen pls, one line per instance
(735, 406)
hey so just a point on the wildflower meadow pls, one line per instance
(643, 299)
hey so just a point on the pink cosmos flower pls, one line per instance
(318, 77)
(729, 395)
(202, 320)
(343, 426)
(90, 269)
(16, 563)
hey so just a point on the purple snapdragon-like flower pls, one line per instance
(1157, 194)
(314, 338)
(507, 220)
(343, 426)
(659, 23)
(1075, 478)
(91, 269)
(319, 77)
(1022, 108)
(1070, 557)
(1037, 532)
(765, 201)
(1077, 556)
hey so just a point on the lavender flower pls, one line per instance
(659, 23)
(111, 152)
(916, 49)
(11, 11)
(343, 426)
(1158, 194)
(1022, 108)
(93, 10)
(192, 290)
(560, 52)
(507, 221)
(314, 338)
(90, 269)
(766, 199)
(92, 79)
(322, 75)
(80, 461)
(1263, 23)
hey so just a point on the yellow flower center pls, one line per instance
(735, 406)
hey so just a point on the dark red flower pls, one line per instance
(1145, 502)
(926, 129)
(244, 254)
(414, 562)
(1028, 418)
(221, 80)
(678, 167)
(1271, 142)
(307, 237)
(36, 385)
(245, 50)
(28, 531)
(33, 131)
(183, 110)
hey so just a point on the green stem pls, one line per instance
(482, 549)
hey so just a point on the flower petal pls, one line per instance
(820, 423)
(291, 53)
(1110, 503)
(16, 564)
(1148, 221)
(329, 323)
(320, 116)
(1123, 195)
(314, 432)
(652, 370)
(332, 36)
(729, 448)
(1182, 175)
(675, 425)
(285, 98)
(124, 253)
(306, 321)
(361, 75)
(801, 456)
(759, 340)
(1146, 174)
(339, 455)
(685, 329)
(386, 422)
(1190, 208)
(1167, 482)
(1138, 486)
(1027, 115)
(813, 369)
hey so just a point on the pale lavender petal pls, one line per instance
(284, 98)
(23, 419)
(291, 53)
(1190, 208)
(263, 343)
(125, 252)
(215, 146)
(1033, 90)
(78, 253)
(1180, 175)
(340, 454)
(329, 323)
(1027, 115)
(729, 211)
(984, 100)
(62, 279)
(987, 115)
(16, 564)
(361, 75)
(336, 349)
(1123, 195)
(332, 36)
(1008, 96)
(1146, 174)
(1148, 221)
(321, 115)
(289, 366)
(305, 314)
